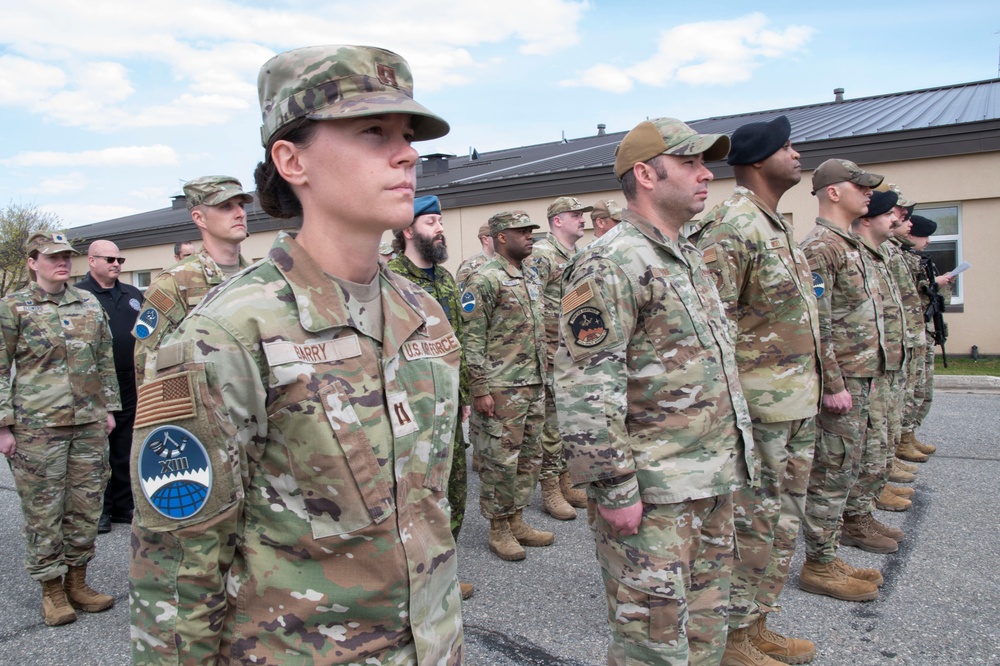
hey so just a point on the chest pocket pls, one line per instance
(777, 272)
(670, 328)
(852, 281)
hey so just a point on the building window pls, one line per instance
(141, 279)
(946, 242)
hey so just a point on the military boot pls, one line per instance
(905, 466)
(893, 533)
(527, 535)
(899, 475)
(466, 589)
(55, 607)
(82, 596)
(870, 575)
(576, 497)
(829, 579)
(927, 449)
(741, 652)
(859, 532)
(907, 451)
(890, 501)
(502, 542)
(905, 493)
(776, 646)
(553, 502)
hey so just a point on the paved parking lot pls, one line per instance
(939, 604)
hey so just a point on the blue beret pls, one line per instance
(426, 206)
(881, 203)
(922, 227)
(755, 142)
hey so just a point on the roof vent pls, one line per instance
(435, 163)
(838, 95)
(180, 201)
(600, 129)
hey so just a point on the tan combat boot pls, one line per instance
(741, 652)
(527, 535)
(502, 542)
(553, 502)
(829, 579)
(466, 589)
(893, 533)
(927, 449)
(82, 596)
(776, 646)
(890, 501)
(905, 493)
(905, 466)
(859, 532)
(899, 475)
(575, 497)
(55, 607)
(870, 575)
(907, 451)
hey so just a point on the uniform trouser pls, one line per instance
(510, 449)
(767, 518)
(667, 587)
(457, 484)
(60, 475)
(840, 440)
(118, 494)
(915, 362)
(883, 433)
(925, 394)
(553, 460)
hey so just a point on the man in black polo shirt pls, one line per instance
(121, 302)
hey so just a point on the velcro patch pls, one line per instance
(174, 472)
(774, 243)
(468, 301)
(577, 297)
(400, 415)
(414, 349)
(819, 287)
(587, 324)
(146, 323)
(161, 300)
(710, 255)
(285, 351)
(168, 399)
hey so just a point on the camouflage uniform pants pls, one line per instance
(916, 360)
(925, 392)
(553, 460)
(767, 518)
(458, 483)
(875, 453)
(60, 475)
(510, 450)
(667, 587)
(836, 463)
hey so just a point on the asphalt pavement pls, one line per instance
(939, 604)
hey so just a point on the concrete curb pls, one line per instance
(967, 383)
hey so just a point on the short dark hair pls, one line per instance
(178, 244)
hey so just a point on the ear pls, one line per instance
(198, 217)
(408, 232)
(33, 263)
(287, 158)
(644, 175)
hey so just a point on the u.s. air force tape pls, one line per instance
(174, 472)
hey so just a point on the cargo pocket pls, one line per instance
(646, 621)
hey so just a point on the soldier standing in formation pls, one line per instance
(217, 205)
(505, 349)
(766, 286)
(121, 303)
(472, 264)
(548, 260)
(293, 447)
(653, 419)
(606, 214)
(55, 416)
(183, 250)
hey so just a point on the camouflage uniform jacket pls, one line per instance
(324, 535)
(892, 306)
(169, 298)
(646, 380)
(445, 292)
(468, 267)
(57, 365)
(895, 250)
(503, 329)
(851, 329)
(548, 260)
(922, 282)
(766, 286)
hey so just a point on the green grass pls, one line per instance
(986, 365)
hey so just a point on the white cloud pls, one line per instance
(134, 156)
(70, 182)
(24, 80)
(703, 53)
(75, 214)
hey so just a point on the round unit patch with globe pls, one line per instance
(174, 472)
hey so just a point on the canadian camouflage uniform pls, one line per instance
(852, 356)
(59, 385)
(650, 405)
(505, 348)
(445, 292)
(886, 400)
(548, 260)
(323, 534)
(468, 267)
(766, 286)
(169, 298)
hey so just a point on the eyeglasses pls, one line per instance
(111, 260)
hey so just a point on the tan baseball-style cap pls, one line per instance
(607, 208)
(49, 242)
(508, 219)
(666, 136)
(213, 190)
(483, 231)
(840, 171)
(902, 201)
(566, 205)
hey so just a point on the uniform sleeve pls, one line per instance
(598, 316)
(725, 254)
(10, 328)
(464, 397)
(162, 311)
(106, 365)
(823, 265)
(201, 420)
(477, 304)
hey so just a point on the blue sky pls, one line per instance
(108, 106)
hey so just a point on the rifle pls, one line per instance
(935, 309)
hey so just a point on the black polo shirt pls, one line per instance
(122, 303)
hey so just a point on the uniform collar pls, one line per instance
(68, 295)
(652, 232)
(849, 236)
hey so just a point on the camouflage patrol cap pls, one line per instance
(507, 219)
(337, 81)
(565, 205)
(483, 231)
(839, 171)
(48, 242)
(213, 191)
(666, 136)
(607, 208)
(903, 202)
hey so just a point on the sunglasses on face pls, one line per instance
(111, 260)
